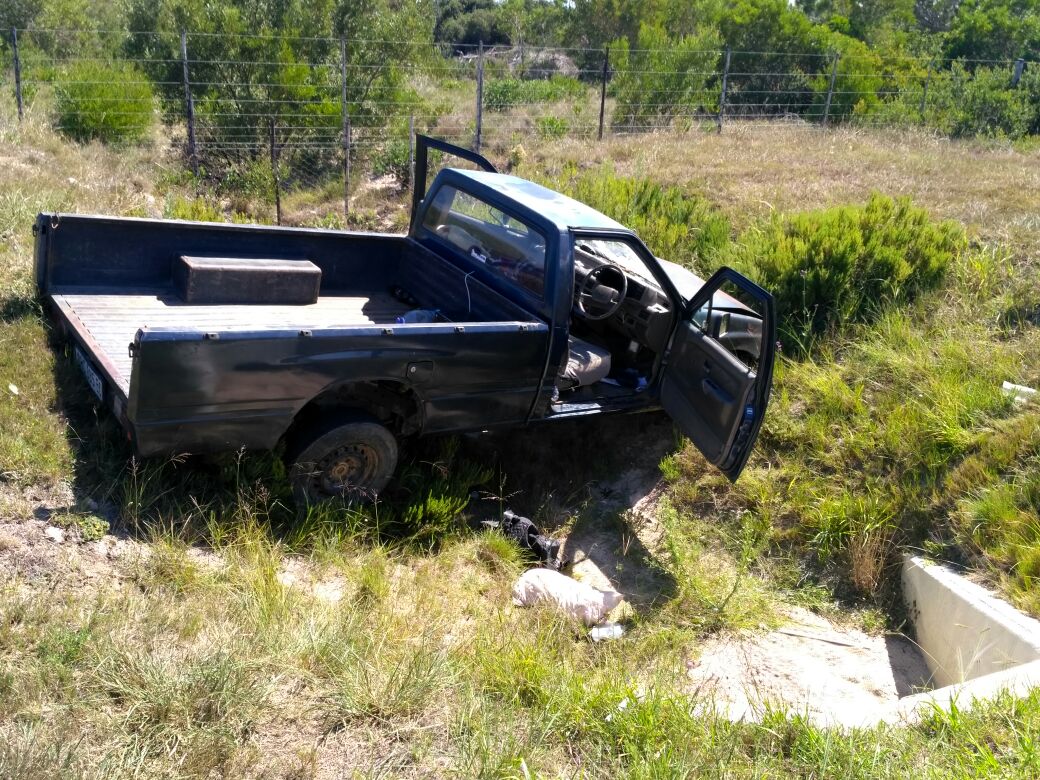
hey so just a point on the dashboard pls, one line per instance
(645, 314)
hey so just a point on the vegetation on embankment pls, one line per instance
(888, 428)
(232, 639)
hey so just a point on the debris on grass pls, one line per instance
(607, 631)
(526, 534)
(574, 599)
(1020, 394)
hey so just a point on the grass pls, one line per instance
(231, 638)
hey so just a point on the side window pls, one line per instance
(508, 246)
(734, 320)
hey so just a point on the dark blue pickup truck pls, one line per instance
(505, 304)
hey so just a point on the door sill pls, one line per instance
(597, 406)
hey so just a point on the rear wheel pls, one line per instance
(349, 457)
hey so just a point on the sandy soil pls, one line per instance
(829, 674)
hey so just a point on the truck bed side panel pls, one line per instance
(240, 389)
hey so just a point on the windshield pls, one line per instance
(620, 254)
(508, 246)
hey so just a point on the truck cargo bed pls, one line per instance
(107, 323)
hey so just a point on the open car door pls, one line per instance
(719, 369)
(423, 145)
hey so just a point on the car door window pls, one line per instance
(508, 246)
(734, 319)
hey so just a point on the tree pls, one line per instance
(471, 22)
(994, 30)
(662, 78)
(254, 61)
(935, 15)
(863, 19)
(17, 13)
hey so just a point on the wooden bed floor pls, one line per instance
(112, 321)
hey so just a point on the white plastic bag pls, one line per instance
(574, 599)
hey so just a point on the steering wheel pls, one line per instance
(593, 291)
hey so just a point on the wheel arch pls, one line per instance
(393, 403)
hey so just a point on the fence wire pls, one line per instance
(299, 123)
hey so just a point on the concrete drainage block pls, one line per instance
(975, 644)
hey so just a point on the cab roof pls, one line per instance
(562, 211)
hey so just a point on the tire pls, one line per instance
(348, 458)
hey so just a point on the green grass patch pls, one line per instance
(677, 224)
(504, 93)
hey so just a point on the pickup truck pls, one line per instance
(505, 304)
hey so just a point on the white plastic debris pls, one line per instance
(13, 388)
(574, 599)
(56, 535)
(607, 631)
(625, 703)
(1019, 393)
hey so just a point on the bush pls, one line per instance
(393, 158)
(989, 106)
(110, 102)
(551, 127)
(193, 210)
(845, 264)
(966, 104)
(500, 94)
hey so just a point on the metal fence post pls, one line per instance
(830, 89)
(924, 93)
(274, 173)
(411, 150)
(345, 118)
(1016, 75)
(722, 93)
(189, 105)
(17, 73)
(603, 90)
(480, 96)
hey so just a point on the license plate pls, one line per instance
(92, 376)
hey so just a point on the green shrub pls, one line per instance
(393, 158)
(501, 94)
(110, 102)
(857, 79)
(845, 264)
(965, 104)
(551, 127)
(193, 210)
(676, 224)
(987, 105)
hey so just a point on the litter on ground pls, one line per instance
(574, 599)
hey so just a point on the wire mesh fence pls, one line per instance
(295, 122)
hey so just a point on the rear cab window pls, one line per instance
(509, 247)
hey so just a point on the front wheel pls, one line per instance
(350, 459)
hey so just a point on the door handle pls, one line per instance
(708, 387)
